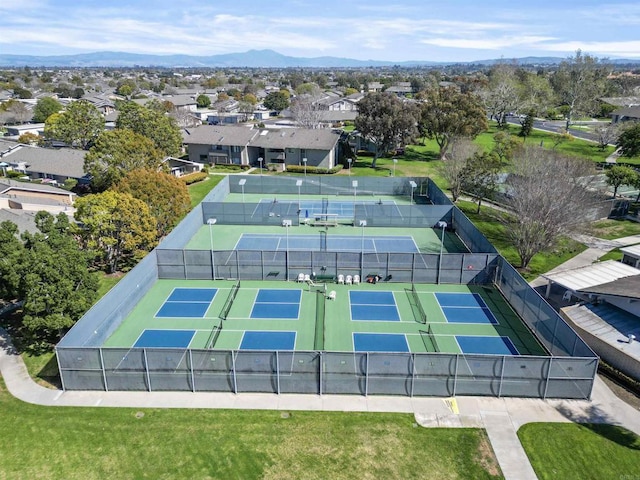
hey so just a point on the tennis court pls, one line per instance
(321, 241)
(307, 208)
(187, 302)
(465, 308)
(276, 315)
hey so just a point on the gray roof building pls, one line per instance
(56, 163)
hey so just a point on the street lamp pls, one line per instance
(286, 224)
(211, 222)
(413, 185)
(260, 160)
(304, 160)
(349, 160)
(241, 183)
(443, 225)
(395, 160)
(299, 184)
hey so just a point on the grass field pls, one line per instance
(97, 443)
(199, 190)
(581, 451)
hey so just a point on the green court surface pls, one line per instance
(226, 237)
(333, 331)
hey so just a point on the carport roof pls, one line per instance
(591, 275)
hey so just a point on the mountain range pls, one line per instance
(250, 59)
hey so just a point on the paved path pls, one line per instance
(501, 417)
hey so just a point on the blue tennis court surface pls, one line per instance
(259, 340)
(377, 306)
(465, 308)
(320, 241)
(486, 345)
(380, 342)
(192, 295)
(187, 303)
(276, 303)
(165, 339)
(460, 300)
(343, 209)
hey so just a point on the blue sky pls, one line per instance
(448, 30)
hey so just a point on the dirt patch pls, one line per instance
(487, 457)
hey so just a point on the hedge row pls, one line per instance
(193, 177)
(314, 170)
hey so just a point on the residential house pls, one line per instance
(179, 166)
(242, 145)
(631, 255)
(214, 144)
(626, 114)
(34, 197)
(54, 165)
(14, 131)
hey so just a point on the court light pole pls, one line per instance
(349, 160)
(413, 185)
(298, 184)
(304, 160)
(211, 222)
(241, 183)
(260, 160)
(395, 160)
(363, 223)
(443, 225)
(286, 224)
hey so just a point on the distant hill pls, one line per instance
(251, 58)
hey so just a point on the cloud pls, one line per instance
(487, 43)
(629, 48)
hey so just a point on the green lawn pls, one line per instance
(611, 228)
(488, 222)
(96, 443)
(199, 190)
(581, 451)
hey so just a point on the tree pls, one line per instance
(447, 113)
(160, 128)
(45, 107)
(607, 133)
(117, 228)
(250, 98)
(17, 111)
(56, 285)
(579, 82)
(276, 101)
(526, 125)
(79, 125)
(501, 95)
(306, 111)
(386, 121)
(166, 196)
(504, 146)
(629, 140)
(30, 138)
(452, 167)
(22, 93)
(203, 101)
(117, 152)
(11, 255)
(619, 175)
(480, 176)
(549, 195)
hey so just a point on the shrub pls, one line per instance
(194, 177)
(314, 170)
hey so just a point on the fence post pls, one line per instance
(193, 381)
(455, 375)
(320, 363)
(504, 359)
(104, 372)
(546, 383)
(366, 375)
(413, 372)
(278, 372)
(233, 371)
(146, 368)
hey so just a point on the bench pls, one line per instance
(325, 278)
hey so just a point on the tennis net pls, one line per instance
(416, 299)
(429, 340)
(227, 304)
(318, 341)
(213, 337)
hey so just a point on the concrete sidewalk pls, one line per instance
(501, 417)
